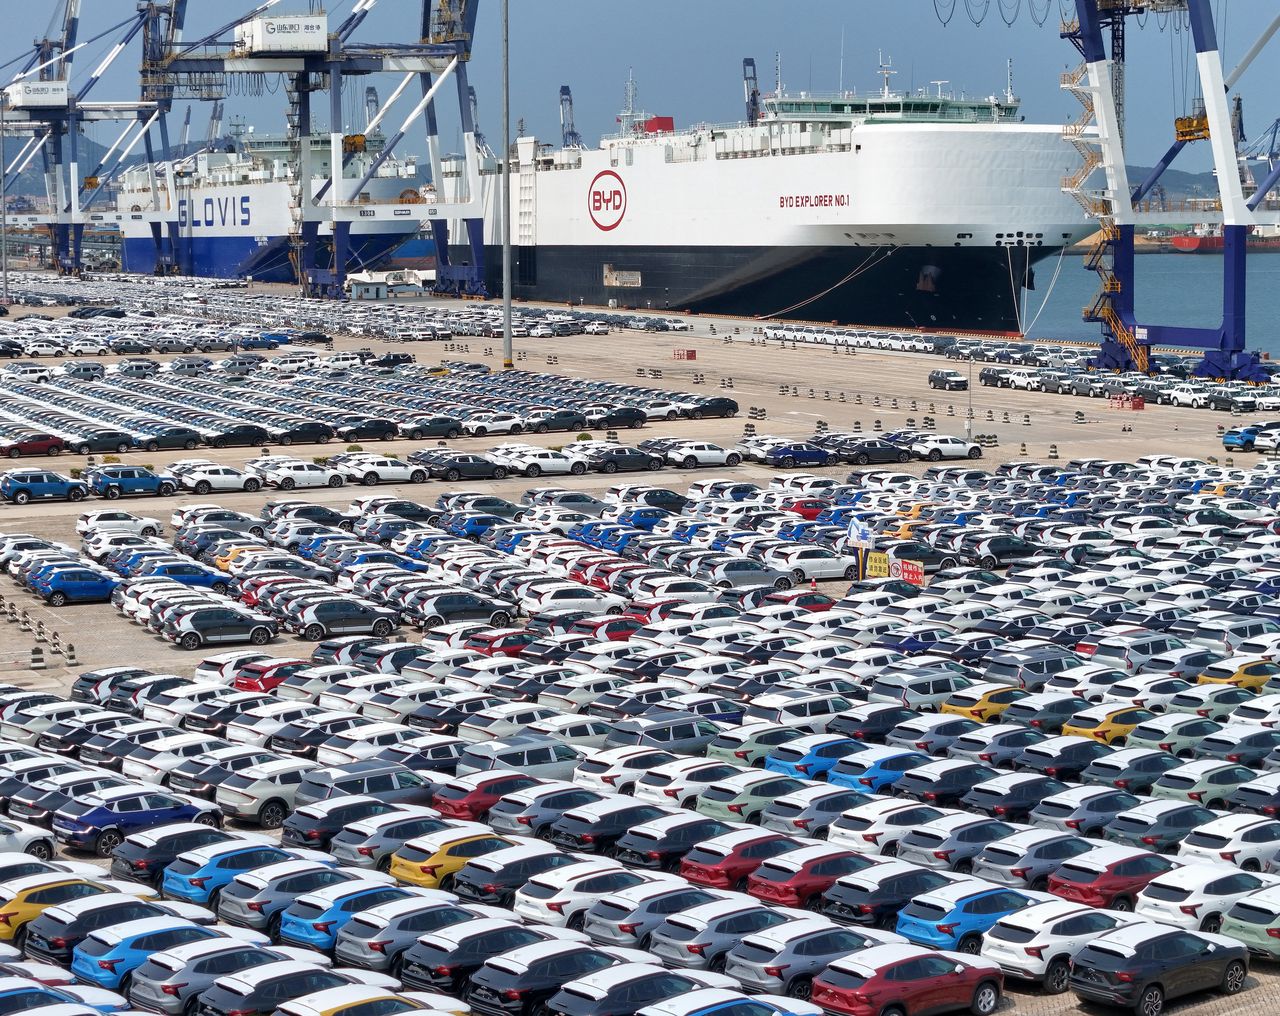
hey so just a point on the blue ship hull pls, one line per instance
(235, 257)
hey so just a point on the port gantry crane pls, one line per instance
(40, 106)
(315, 60)
(1120, 207)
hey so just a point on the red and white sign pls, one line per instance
(907, 571)
(607, 200)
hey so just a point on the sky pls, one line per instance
(687, 59)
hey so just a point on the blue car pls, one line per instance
(645, 517)
(315, 919)
(128, 561)
(877, 767)
(23, 996)
(110, 955)
(259, 342)
(199, 875)
(22, 486)
(472, 525)
(189, 574)
(812, 756)
(799, 454)
(956, 916)
(76, 585)
(1241, 439)
(99, 821)
(117, 481)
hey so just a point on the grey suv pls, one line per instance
(1025, 860)
(700, 937)
(387, 781)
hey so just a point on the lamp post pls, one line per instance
(4, 206)
(507, 359)
(968, 417)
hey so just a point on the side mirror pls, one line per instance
(958, 969)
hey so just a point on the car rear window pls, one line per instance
(924, 911)
(1252, 913)
(1174, 780)
(1011, 933)
(1078, 874)
(1197, 838)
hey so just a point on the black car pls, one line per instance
(54, 935)
(873, 450)
(716, 406)
(1134, 769)
(392, 360)
(102, 441)
(663, 845)
(875, 895)
(948, 380)
(306, 432)
(946, 790)
(493, 879)
(1061, 758)
(369, 429)
(142, 857)
(1140, 967)
(212, 717)
(200, 775)
(170, 437)
(870, 722)
(446, 959)
(557, 419)
(1011, 802)
(622, 416)
(302, 737)
(95, 685)
(270, 987)
(461, 605)
(623, 997)
(130, 346)
(441, 716)
(248, 434)
(1161, 831)
(431, 426)
(459, 466)
(598, 830)
(522, 983)
(994, 377)
(37, 803)
(625, 460)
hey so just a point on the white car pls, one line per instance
(1147, 691)
(481, 424)
(808, 563)
(942, 446)
(564, 895)
(108, 520)
(203, 479)
(679, 783)
(374, 469)
(288, 475)
(595, 328)
(617, 770)
(1246, 841)
(877, 826)
(88, 346)
(1039, 942)
(702, 453)
(571, 594)
(44, 347)
(1198, 896)
(537, 461)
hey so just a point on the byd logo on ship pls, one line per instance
(607, 200)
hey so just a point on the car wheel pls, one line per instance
(655, 464)
(934, 455)
(1151, 1003)
(152, 446)
(190, 641)
(220, 588)
(335, 481)
(797, 574)
(41, 850)
(986, 999)
(781, 583)
(515, 429)
(578, 468)
(15, 453)
(1122, 904)
(801, 988)
(106, 842)
(453, 434)
(970, 944)
(418, 476)
(452, 475)
(272, 815)
(975, 453)
(75, 494)
(904, 457)
(287, 483)
(252, 486)
(500, 473)
(369, 479)
(788, 461)
(733, 459)
(609, 467)
(202, 487)
(189, 444)
(111, 493)
(382, 628)
(499, 619)
(166, 489)
(83, 449)
(285, 439)
(1212, 924)
(208, 818)
(313, 632)
(851, 572)
(1057, 978)
(1233, 979)
(989, 563)
(533, 470)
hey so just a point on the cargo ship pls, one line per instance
(235, 200)
(907, 210)
(1208, 240)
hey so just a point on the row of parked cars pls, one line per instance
(120, 414)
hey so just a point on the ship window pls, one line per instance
(858, 148)
(527, 266)
(966, 236)
(999, 236)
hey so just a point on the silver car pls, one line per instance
(951, 842)
(168, 982)
(256, 899)
(782, 960)
(699, 938)
(370, 842)
(377, 938)
(810, 811)
(1026, 859)
(530, 811)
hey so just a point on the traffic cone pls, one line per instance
(813, 585)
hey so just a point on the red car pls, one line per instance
(795, 878)
(908, 980)
(471, 797)
(1106, 875)
(807, 507)
(610, 628)
(725, 862)
(254, 590)
(32, 444)
(648, 611)
(803, 598)
(267, 675)
(502, 641)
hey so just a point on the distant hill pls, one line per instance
(1177, 183)
(31, 180)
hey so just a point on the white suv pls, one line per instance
(701, 453)
(942, 446)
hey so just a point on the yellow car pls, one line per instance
(26, 898)
(983, 701)
(1241, 671)
(1110, 724)
(357, 1000)
(224, 561)
(432, 860)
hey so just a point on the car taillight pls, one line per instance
(525, 819)
(804, 767)
(313, 834)
(1195, 795)
(986, 756)
(172, 989)
(59, 943)
(1150, 841)
(1020, 872)
(108, 965)
(943, 855)
(199, 882)
(556, 908)
(1166, 746)
(366, 851)
(695, 948)
(1034, 950)
(428, 869)
(1073, 823)
(1124, 977)
(1037, 723)
(443, 970)
(322, 926)
(742, 754)
(872, 837)
(1274, 932)
(627, 928)
(1122, 784)
(736, 809)
(379, 946)
(514, 994)
(138, 865)
(1190, 909)
(1233, 758)
(609, 778)
(866, 781)
(1000, 809)
(922, 745)
(671, 792)
(946, 929)
(255, 906)
(929, 795)
(776, 971)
